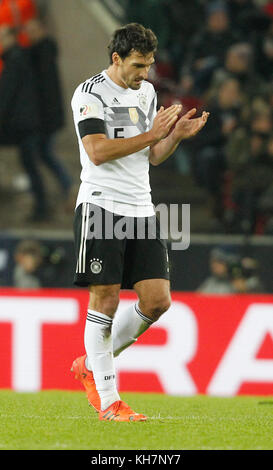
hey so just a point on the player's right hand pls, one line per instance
(164, 120)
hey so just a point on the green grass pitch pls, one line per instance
(61, 420)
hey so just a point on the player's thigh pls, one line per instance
(147, 257)
(99, 259)
(154, 296)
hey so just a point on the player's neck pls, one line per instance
(113, 74)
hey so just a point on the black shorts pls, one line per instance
(113, 249)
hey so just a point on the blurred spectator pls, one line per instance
(208, 149)
(251, 163)
(15, 13)
(19, 113)
(259, 104)
(208, 47)
(265, 202)
(247, 19)
(186, 17)
(44, 54)
(268, 8)
(218, 282)
(239, 64)
(231, 273)
(162, 74)
(181, 93)
(245, 277)
(28, 259)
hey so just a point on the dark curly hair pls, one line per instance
(132, 37)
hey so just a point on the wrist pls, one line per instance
(175, 137)
(152, 139)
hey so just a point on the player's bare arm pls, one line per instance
(185, 128)
(100, 149)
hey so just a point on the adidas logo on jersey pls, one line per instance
(115, 101)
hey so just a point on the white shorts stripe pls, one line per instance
(83, 230)
(85, 235)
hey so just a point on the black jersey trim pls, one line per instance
(91, 126)
(88, 85)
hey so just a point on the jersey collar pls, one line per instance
(114, 85)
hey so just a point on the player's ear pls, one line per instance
(116, 59)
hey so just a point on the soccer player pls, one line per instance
(120, 133)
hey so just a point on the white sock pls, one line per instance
(99, 349)
(128, 325)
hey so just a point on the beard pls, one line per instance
(133, 84)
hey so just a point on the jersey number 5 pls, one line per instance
(118, 133)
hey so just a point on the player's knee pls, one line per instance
(154, 308)
(104, 299)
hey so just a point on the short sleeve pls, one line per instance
(86, 106)
(88, 113)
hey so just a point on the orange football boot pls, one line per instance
(85, 376)
(120, 411)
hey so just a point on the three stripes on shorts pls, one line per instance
(81, 263)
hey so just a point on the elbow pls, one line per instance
(95, 148)
(153, 158)
(95, 158)
(154, 162)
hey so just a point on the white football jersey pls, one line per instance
(126, 113)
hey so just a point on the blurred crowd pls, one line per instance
(218, 56)
(213, 54)
(36, 264)
(231, 274)
(31, 101)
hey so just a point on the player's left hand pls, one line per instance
(187, 127)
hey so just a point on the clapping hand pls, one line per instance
(186, 127)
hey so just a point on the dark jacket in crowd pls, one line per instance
(248, 19)
(19, 114)
(44, 61)
(206, 44)
(214, 135)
